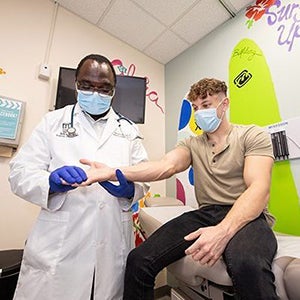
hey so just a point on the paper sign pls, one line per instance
(10, 111)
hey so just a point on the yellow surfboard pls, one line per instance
(253, 101)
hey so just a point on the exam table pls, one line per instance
(195, 281)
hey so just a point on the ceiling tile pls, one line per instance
(160, 29)
(131, 24)
(202, 19)
(237, 5)
(166, 47)
(90, 10)
(167, 11)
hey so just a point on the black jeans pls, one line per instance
(248, 255)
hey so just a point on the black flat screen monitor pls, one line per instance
(129, 99)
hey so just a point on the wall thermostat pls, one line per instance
(44, 72)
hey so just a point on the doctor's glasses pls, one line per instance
(88, 89)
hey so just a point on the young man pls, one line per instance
(232, 173)
(79, 244)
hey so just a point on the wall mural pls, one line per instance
(256, 11)
(285, 19)
(151, 95)
(185, 180)
(251, 97)
(252, 94)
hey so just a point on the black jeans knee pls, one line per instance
(168, 245)
(249, 256)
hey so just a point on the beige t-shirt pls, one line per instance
(219, 176)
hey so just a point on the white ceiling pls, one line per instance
(161, 29)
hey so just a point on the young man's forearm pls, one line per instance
(247, 208)
(149, 171)
(172, 163)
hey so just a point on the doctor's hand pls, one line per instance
(125, 189)
(62, 179)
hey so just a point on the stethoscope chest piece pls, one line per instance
(71, 132)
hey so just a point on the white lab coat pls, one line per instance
(85, 229)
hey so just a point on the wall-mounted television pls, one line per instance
(129, 99)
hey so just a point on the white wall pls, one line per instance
(24, 31)
(210, 58)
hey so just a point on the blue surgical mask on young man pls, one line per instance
(207, 119)
(95, 103)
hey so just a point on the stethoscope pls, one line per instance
(71, 130)
(129, 135)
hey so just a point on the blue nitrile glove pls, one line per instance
(124, 190)
(70, 174)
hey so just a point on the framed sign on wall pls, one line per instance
(11, 120)
(285, 139)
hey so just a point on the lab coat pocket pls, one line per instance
(45, 242)
(127, 231)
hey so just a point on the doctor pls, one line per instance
(78, 246)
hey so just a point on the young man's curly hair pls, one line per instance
(205, 87)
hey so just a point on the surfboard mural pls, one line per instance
(253, 101)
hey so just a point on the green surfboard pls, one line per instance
(253, 101)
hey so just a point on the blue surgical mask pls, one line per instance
(207, 119)
(95, 103)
